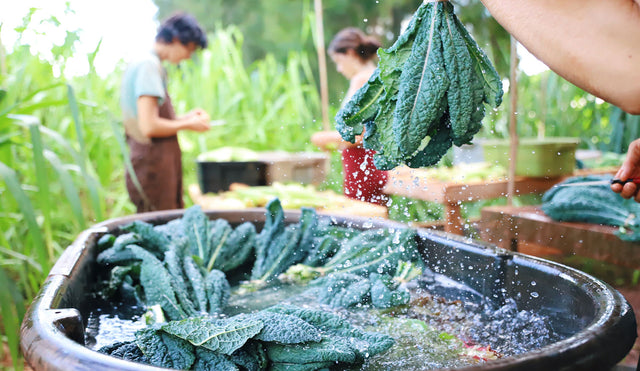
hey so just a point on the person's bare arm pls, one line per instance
(154, 126)
(594, 44)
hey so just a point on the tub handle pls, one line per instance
(69, 322)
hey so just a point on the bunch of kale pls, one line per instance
(427, 93)
(181, 267)
(277, 338)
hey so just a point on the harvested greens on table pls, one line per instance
(427, 93)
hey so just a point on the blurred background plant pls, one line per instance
(61, 140)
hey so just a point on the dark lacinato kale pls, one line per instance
(346, 290)
(173, 260)
(386, 293)
(427, 93)
(282, 366)
(593, 204)
(165, 350)
(279, 246)
(196, 228)
(106, 241)
(156, 282)
(251, 357)
(128, 351)
(207, 360)
(173, 229)
(152, 240)
(371, 251)
(181, 277)
(280, 337)
(175, 278)
(329, 349)
(224, 336)
(231, 248)
(218, 290)
(341, 290)
(322, 248)
(363, 344)
(284, 329)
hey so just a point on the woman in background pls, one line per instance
(150, 123)
(355, 54)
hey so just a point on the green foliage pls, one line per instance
(346, 290)
(222, 336)
(432, 83)
(279, 246)
(172, 271)
(277, 103)
(593, 204)
(291, 336)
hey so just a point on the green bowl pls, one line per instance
(546, 157)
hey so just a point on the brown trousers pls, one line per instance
(158, 167)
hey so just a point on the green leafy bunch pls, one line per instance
(427, 93)
(281, 337)
(595, 204)
(180, 265)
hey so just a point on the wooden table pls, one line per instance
(411, 183)
(509, 227)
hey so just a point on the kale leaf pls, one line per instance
(219, 335)
(279, 246)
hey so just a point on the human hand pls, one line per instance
(629, 169)
(198, 120)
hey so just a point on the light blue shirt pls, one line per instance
(144, 75)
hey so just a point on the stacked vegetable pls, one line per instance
(180, 269)
(593, 204)
(427, 93)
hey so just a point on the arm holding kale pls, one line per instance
(593, 44)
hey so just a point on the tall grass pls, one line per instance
(273, 106)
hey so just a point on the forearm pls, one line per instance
(594, 44)
(154, 126)
(159, 127)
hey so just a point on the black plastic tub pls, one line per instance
(597, 323)
(218, 176)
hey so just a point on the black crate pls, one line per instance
(218, 176)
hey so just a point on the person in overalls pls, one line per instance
(151, 125)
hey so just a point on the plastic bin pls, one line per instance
(546, 157)
(598, 324)
(218, 176)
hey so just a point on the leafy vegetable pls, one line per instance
(164, 350)
(278, 247)
(292, 338)
(427, 93)
(345, 290)
(223, 336)
(207, 360)
(285, 329)
(230, 248)
(370, 251)
(360, 343)
(593, 204)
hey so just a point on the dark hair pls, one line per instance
(185, 28)
(352, 38)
